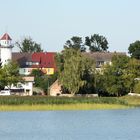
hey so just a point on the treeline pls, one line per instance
(78, 74)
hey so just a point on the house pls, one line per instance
(6, 54)
(23, 59)
(102, 58)
(23, 89)
(55, 89)
(45, 61)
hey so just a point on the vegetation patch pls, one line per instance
(44, 100)
(48, 107)
(38, 103)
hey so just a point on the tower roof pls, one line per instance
(6, 37)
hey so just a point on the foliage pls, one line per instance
(28, 45)
(59, 59)
(76, 43)
(99, 83)
(114, 81)
(137, 88)
(45, 100)
(75, 71)
(134, 49)
(43, 81)
(9, 74)
(132, 72)
(96, 43)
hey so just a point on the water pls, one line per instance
(71, 125)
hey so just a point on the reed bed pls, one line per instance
(44, 100)
(38, 103)
(61, 107)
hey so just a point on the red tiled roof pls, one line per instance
(45, 60)
(6, 37)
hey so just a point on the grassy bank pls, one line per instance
(18, 103)
(60, 107)
(132, 101)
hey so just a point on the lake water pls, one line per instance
(71, 125)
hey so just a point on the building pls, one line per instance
(7, 55)
(5, 48)
(23, 89)
(55, 89)
(44, 61)
(102, 58)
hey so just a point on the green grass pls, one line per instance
(132, 100)
(44, 100)
(60, 107)
(32, 103)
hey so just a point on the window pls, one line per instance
(99, 63)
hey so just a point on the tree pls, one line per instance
(9, 74)
(137, 87)
(42, 80)
(132, 72)
(113, 75)
(76, 67)
(96, 43)
(75, 43)
(134, 50)
(28, 45)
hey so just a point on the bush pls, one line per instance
(137, 88)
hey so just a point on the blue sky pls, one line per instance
(52, 22)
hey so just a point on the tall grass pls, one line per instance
(44, 100)
(132, 100)
(60, 107)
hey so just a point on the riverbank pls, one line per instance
(44, 103)
(61, 107)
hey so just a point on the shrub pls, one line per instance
(137, 88)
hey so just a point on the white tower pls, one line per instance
(6, 49)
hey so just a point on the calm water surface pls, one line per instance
(71, 125)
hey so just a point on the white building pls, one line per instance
(5, 48)
(6, 55)
(23, 89)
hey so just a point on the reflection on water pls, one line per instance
(71, 125)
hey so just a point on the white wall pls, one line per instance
(27, 86)
(6, 55)
(25, 71)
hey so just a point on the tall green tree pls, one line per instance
(76, 43)
(114, 80)
(96, 43)
(9, 74)
(134, 49)
(74, 70)
(28, 45)
(132, 72)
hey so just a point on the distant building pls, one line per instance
(23, 89)
(6, 55)
(5, 48)
(44, 61)
(102, 58)
(55, 89)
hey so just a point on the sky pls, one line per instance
(52, 22)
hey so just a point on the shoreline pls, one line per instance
(44, 103)
(66, 107)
